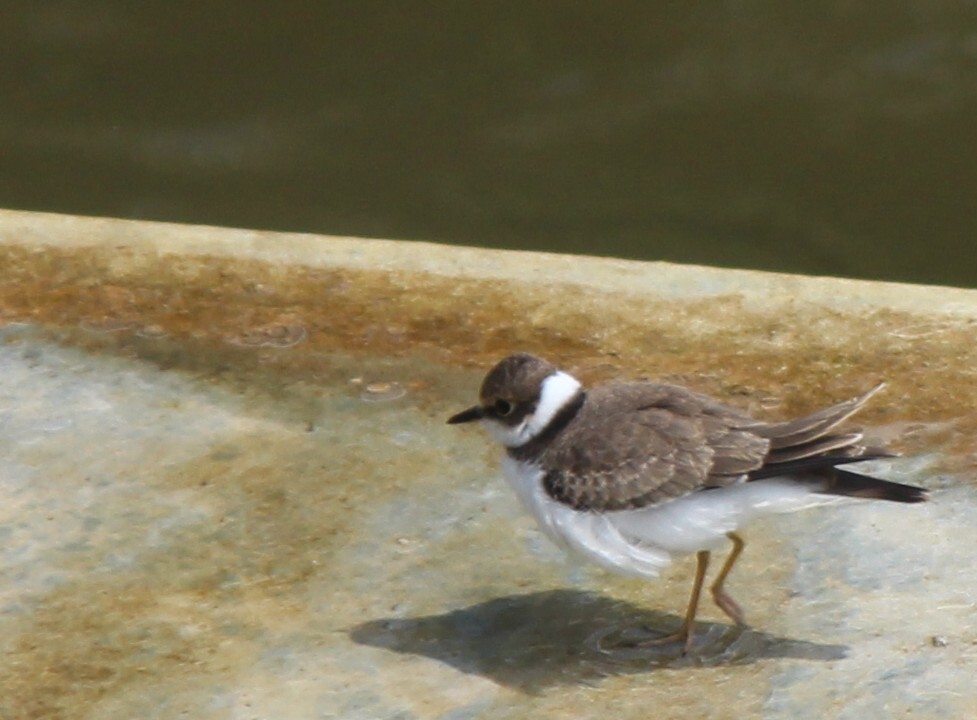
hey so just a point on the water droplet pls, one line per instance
(382, 392)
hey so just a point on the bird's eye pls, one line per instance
(503, 407)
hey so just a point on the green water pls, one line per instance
(833, 139)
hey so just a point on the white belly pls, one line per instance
(643, 542)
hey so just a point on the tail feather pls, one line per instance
(808, 450)
(840, 445)
(801, 431)
(814, 465)
(833, 475)
(849, 483)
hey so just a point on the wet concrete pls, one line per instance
(228, 489)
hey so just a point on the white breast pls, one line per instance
(643, 542)
(591, 535)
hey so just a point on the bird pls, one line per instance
(630, 475)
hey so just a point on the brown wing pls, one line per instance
(666, 442)
(663, 442)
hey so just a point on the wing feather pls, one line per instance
(666, 442)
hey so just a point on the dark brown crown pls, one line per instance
(517, 379)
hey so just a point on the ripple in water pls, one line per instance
(714, 645)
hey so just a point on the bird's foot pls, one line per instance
(683, 635)
(729, 606)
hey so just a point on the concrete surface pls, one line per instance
(228, 490)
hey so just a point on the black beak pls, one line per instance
(472, 413)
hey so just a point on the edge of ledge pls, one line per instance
(611, 275)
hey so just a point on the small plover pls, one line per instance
(632, 474)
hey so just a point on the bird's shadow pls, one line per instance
(566, 637)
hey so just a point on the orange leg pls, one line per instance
(688, 625)
(719, 595)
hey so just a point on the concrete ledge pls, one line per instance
(227, 488)
(657, 279)
(724, 331)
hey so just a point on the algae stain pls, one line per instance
(158, 621)
(268, 506)
(253, 316)
(202, 601)
(197, 609)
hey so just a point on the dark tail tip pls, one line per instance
(853, 484)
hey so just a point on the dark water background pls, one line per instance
(833, 137)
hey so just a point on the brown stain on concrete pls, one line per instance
(204, 606)
(204, 314)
